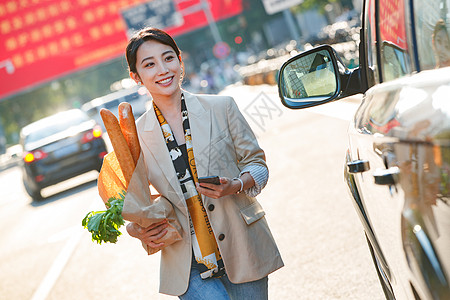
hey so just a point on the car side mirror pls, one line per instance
(315, 77)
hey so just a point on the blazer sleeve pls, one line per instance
(248, 151)
(260, 175)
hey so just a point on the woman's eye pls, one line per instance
(148, 65)
(169, 58)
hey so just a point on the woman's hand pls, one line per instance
(226, 187)
(149, 235)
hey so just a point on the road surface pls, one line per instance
(45, 253)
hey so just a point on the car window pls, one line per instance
(131, 97)
(91, 112)
(370, 38)
(395, 57)
(112, 104)
(432, 28)
(52, 125)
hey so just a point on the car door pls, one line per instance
(424, 160)
(369, 135)
(388, 132)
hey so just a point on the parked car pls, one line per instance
(137, 96)
(60, 147)
(398, 162)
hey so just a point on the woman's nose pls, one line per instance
(163, 69)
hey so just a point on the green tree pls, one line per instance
(320, 5)
(61, 94)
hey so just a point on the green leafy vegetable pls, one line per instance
(104, 225)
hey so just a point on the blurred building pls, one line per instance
(252, 32)
(59, 54)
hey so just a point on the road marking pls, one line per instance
(61, 260)
(57, 267)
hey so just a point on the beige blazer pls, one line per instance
(223, 145)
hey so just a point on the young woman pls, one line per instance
(227, 249)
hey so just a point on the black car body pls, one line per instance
(398, 161)
(60, 147)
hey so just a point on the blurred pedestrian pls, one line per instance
(229, 73)
(227, 249)
(195, 82)
(209, 77)
(441, 44)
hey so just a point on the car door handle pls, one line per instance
(386, 176)
(358, 166)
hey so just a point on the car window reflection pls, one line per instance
(394, 61)
(441, 44)
(310, 76)
(432, 27)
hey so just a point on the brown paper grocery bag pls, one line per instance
(111, 181)
(140, 207)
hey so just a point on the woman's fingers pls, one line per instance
(152, 241)
(160, 235)
(208, 192)
(143, 232)
(150, 227)
(153, 245)
(215, 191)
(150, 235)
(156, 230)
(154, 225)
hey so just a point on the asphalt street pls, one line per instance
(45, 253)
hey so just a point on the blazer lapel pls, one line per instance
(200, 124)
(153, 138)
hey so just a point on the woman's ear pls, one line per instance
(182, 71)
(135, 77)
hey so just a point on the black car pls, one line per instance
(60, 147)
(398, 162)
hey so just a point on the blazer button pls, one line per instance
(211, 207)
(221, 237)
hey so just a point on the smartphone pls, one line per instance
(209, 179)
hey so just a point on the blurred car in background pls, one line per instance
(11, 157)
(60, 147)
(137, 96)
(398, 161)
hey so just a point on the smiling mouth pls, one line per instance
(165, 81)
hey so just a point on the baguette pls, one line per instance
(128, 127)
(119, 144)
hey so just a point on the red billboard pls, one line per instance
(41, 40)
(392, 22)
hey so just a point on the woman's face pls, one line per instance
(442, 48)
(159, 68)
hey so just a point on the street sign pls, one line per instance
(274, 6)
(221, 50)
(157, 13)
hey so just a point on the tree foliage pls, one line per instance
(64, 93)
(319, 5)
